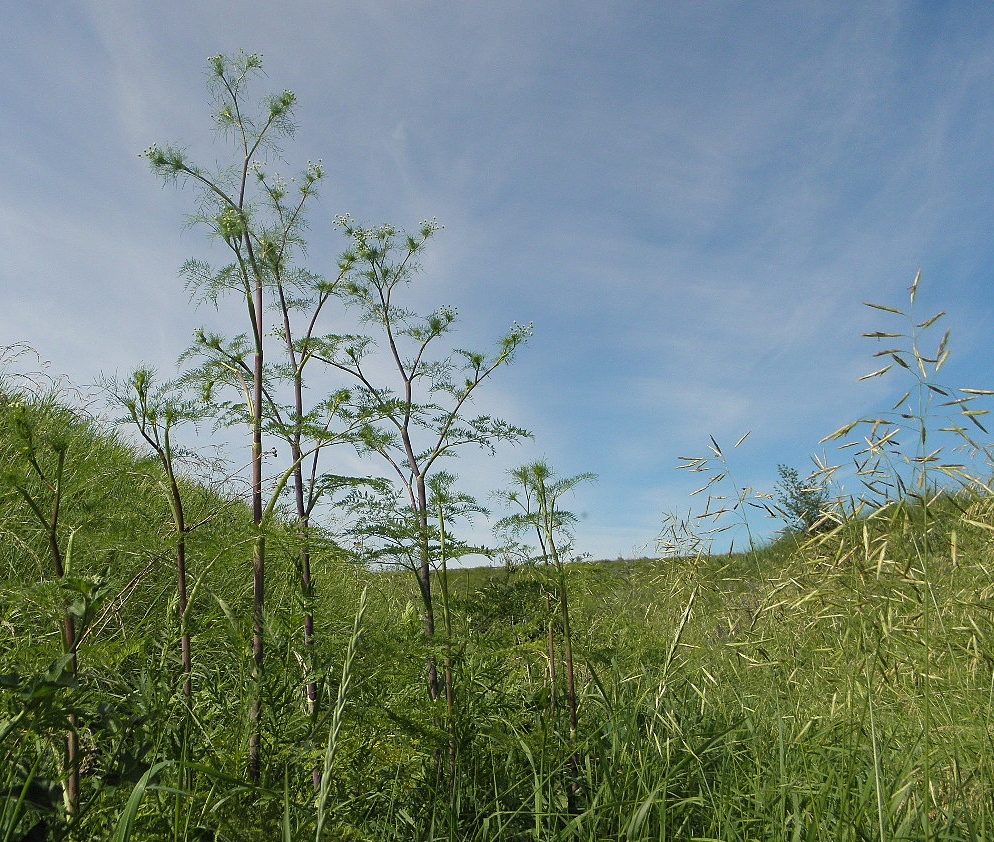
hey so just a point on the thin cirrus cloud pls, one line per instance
(690, 202)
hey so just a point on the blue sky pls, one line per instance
(690, 202)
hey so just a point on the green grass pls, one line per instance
(833, 689)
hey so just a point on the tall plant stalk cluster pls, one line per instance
(188, 656)
(258, 379)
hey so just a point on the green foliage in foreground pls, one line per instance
(834, 689)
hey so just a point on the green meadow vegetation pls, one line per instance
(187, 653)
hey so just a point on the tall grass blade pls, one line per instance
(126, 822)
(336, 719)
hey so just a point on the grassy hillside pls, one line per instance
(835, 688)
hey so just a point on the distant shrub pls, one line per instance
(801, 503)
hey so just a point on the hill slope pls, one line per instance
(838, 688)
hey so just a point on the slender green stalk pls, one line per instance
(52, 480)
(450, 692)
(337, 718)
